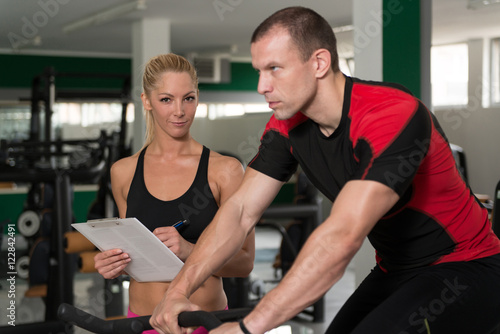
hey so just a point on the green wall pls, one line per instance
(243, 78)
(19, 70)
(11, 206)
(401, 43)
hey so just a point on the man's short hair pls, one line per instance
(308, 30)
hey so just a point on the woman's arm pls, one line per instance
(111, 264)
(120, 183)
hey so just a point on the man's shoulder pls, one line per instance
(283, 126)
(373, 86)
(372, 96)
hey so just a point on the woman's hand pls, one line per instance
(173, 240)
(111, 264)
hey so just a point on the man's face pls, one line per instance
(287, 82)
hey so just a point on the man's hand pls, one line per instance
(164, 318)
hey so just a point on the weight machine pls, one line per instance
(58, 164)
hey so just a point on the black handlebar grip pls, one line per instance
(94, 324)
(199, 318)
(234, 314)
(82, 319)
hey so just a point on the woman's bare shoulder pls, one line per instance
(224, 164)
(125, 166)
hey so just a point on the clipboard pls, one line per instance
(151, 260)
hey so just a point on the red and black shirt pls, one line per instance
(389, 136)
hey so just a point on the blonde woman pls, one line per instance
(173, 178)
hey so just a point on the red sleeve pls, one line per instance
(390, 137)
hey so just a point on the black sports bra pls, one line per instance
(197, 204)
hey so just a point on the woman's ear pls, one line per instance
(145, 102)
(322, 62)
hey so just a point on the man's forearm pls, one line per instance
(216, 245)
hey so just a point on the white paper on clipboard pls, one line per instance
(152, 261)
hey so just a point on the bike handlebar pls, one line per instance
(209, 320)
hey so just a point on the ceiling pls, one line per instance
(198, 25)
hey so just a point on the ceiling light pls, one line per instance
(340, 29)
(475, 4)
(35, 41)
(105, 16)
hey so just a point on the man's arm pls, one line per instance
(324, 257)
(225, 235)
(241, 264)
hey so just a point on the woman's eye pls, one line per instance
(274, 68)
(165, 99)
(190, 98)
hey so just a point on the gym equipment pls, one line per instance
(459, 156)
(43, 89)
(209, 320)
(75, 242)
(2, 261)
(495, 217)
(29, 223)
(28, 163)
(86, 261)
(39, 262)
(22, 266)
(51, 166)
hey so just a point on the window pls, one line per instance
(88, 114)
(495, 71)
(220, 110)
(15, 122)
(449, 74)
(346, 65)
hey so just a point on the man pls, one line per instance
(381, 157)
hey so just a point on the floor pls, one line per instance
(89, 297)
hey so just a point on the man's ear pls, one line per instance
(322, 62)
(145, 102)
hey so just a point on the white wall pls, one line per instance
(476, 128)
(239, 135)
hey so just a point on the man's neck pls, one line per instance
(326, 109)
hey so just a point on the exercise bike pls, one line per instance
(89, 322)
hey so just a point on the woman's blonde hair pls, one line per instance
(153, 71)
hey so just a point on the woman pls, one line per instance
(173, 178)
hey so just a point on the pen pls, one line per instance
(181, 223)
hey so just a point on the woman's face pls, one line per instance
(173, 104)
